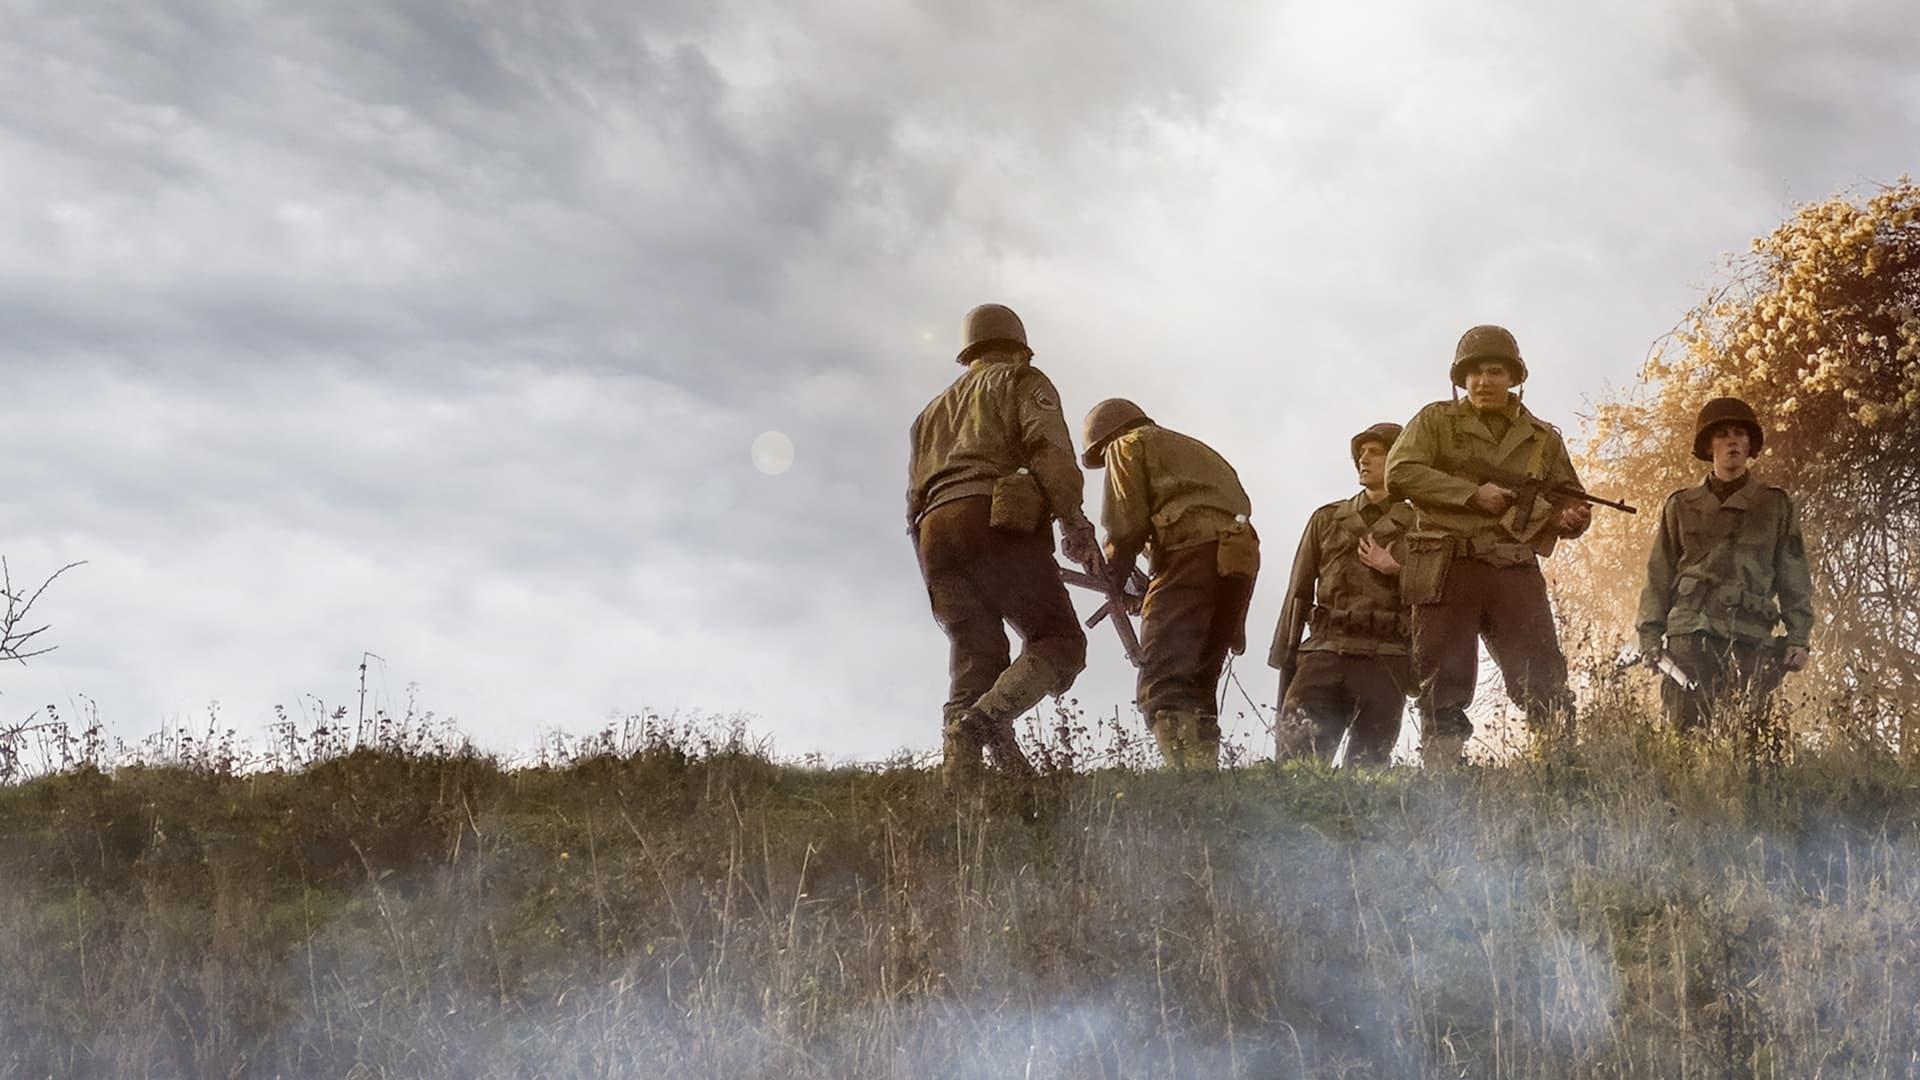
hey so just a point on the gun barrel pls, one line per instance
(1611, 504)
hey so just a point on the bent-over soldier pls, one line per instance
(1727, 566)
(992, 467)
(1472, 571)
(1352, 673)
(1175, 497)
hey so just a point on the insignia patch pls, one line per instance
(1044, 398)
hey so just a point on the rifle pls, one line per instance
(1528, 490)
(1099, 578)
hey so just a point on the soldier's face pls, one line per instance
(1372, 465)
(1487, 384)
(1732, 449)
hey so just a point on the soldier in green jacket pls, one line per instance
(1175, 497)
(1728, 566)
(1352, 672)
(1472, 570)
(991, 469)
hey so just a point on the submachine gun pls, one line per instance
(1121, 599)
(1530, 491)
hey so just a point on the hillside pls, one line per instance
(687, 907)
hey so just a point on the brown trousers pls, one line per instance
(1191, 618)
(1507, 606)
(1732, 678)
(980, 578)
(1331, 690)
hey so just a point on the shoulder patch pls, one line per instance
(1043, 396)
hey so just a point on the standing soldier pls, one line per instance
(1174, 494)
(1352, 673)
(1727, 566)
(1472, 568)
(992, 467)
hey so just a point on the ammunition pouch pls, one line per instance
(1018, 503)
(1238, 552)
(1423, 576)
(1501, 553)
(1379, 625)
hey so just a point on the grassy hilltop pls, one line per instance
(684, 906)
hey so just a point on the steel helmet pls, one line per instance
(1105, 421)
(990, 324)
(1487, 342)
(1725, 410)
(1381, 433)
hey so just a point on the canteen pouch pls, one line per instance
(1238, 553)
(1424, 576)
(1018, 504)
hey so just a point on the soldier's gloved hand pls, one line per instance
(1796, 657)
(1078, 542)
(1492, 498)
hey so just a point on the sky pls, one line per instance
(445, 331)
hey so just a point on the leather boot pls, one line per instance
(1171, 730)
(1203, 744)
(1443, 751)
(1003, 748)
(960, 744)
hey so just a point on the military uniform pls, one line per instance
(1176, 498)
(992, 465)
(1353, 669)
(1486, 581)
(1727, 567)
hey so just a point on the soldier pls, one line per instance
(1173, 494)
(1472, 568)
(992, 467)
(1727, 566)
(1354, 673)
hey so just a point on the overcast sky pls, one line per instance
(444, 330)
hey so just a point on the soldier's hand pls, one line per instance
(1492, 498)
(1078, 541)
(1575, 518)
(1378, 556)
(1796, 657)
(1651, 658)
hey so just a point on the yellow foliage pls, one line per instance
(1816, 328)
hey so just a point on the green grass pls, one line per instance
(679, 904)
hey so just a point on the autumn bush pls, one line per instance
(1818, 327)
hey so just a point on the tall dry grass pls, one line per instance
(668, 902)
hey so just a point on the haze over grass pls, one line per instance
(668, 901)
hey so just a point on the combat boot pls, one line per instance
(1003, 748)
(1203, 745)
(960, 744)
(1443, 751)
(1172, 728)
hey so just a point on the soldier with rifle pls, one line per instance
(1348, 683)
(991, 469)
(1493, 490)
(1728, 566)
(1175, 497)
